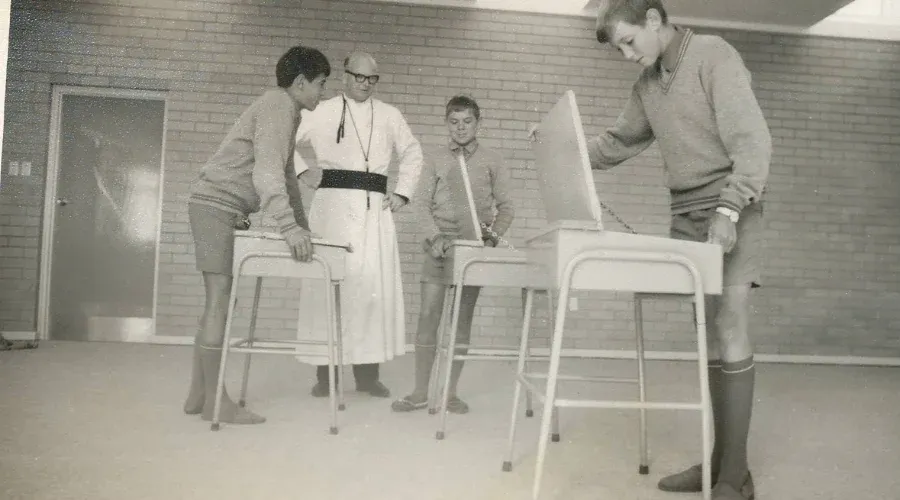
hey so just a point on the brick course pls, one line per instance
(832, 278)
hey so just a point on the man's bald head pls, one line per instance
(361, 75)
(361, 62)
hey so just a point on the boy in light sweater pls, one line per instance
(694, 98)
(489, 179)
(251, 171)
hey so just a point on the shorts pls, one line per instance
(213, 231)
(743, 264)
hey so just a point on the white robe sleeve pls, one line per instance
(409, 152)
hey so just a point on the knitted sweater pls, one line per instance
(714, 140)
(253, 169)
(490, 180)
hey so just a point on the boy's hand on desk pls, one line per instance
(300, 242)
(722, 232)
(312, 177)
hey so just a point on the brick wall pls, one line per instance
(833, 238)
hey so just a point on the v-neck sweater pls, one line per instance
(714, 140)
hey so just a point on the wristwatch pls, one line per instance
(732, 215)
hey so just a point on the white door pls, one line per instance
(102, 215)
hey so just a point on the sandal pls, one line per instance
(406, 404)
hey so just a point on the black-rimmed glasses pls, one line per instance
(373, 79)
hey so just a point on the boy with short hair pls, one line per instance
(251, 171)
(694, 98)
(490, 182)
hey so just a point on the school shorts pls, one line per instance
(213, 232)
(743, 264)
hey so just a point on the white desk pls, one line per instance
(578, 257)
(262, 255)
(470, 263)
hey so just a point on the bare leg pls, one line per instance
(209, 339)
(464, 333)
(426, 340)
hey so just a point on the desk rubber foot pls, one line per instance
(644, 470)
(242, 403)
(214, 427)
(342, 407)
(529, 413)
(333, 431)
(439, 435)
(432, 411)
(554, 438)
(507, 466)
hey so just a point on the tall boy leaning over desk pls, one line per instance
(694, 98)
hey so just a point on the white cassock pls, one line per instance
(372, 312)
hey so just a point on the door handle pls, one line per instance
(62, 202)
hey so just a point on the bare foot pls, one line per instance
(231, 413)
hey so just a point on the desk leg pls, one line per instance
(448, 360)
(339, 333)
(529, 403)
(250, 335)
(330, 313)
(433, 380)
(705, 401)
(643, 467)
(552, 374)
(520, 372)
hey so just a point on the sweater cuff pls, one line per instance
(288, 225)
(730, 199)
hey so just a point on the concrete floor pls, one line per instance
(103, 421)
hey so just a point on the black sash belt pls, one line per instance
(353, 179)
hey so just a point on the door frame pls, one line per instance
(51, 184)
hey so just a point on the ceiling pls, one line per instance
(793, 13)
(865, 19)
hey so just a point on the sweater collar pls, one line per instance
(668, 63)
(468, 150)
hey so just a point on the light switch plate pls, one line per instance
(25, 169)
(13, 168)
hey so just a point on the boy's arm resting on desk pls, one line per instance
(500, 189)
(741, 124)
(629, 137)
(271, 147)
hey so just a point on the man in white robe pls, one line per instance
(353, 136)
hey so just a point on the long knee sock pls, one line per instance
(737, 387)
(196, 395)
(714, 369)
(425, 355)
(210, 358)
